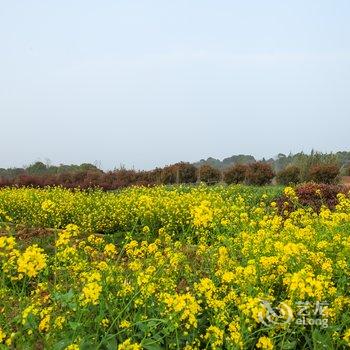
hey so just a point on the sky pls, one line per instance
(147, 83)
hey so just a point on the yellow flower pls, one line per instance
(185, 305)
(125, 324)
(303, 284)
(105, 322)
(146, 230)
(228, 276)
(45, 319)
(59, 321)
(216, 336)
(47, 205)
(90, 293)
(7, 243)
(290, 193)
(128, 345)
(2, 335)
(72, 347)
(29, 310)
(44, 324)
(264, 343)
(235, 333)
(110, 249)
(32, 261)
(346, 337)
(9, 340)
(202, 215)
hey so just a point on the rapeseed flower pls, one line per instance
(32, 261)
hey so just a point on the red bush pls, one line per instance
(312, 195)
(326, 174)
(259, 174)
(169, 175)
(235, 174)
(209, 174)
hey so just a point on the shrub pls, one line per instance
(154, 176)
(326, 174)
(259, 173)
(29, 180)
(235, 174)
(123, 177)
(312, 195)
(209, 174)
(4, 182)
(306, 162)
(289, 175)
(179, 173)
(169, 175)
(187, 172)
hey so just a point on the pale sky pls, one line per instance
(147, 83)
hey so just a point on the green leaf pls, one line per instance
(151, 344)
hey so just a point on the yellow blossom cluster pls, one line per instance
(31, 261)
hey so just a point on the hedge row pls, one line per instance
(258, 173)
(323, 173)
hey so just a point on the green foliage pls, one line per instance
(227, 162)
(305, 162)
(238, 159)
(37, 168)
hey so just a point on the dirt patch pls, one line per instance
(345, 180)
(26, 234)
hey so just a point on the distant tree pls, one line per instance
(306, 162)
(88, 166)
(238, 159)
(36, 169)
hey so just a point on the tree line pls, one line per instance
(317, 167)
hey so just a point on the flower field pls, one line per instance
(184, 267)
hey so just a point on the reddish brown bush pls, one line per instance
(5, 182)
(169, 175)
(259, 174)
(30, 180)
(289, 175)
(326, 174)
(187, 172)
(235, 174)
(178, 173)
(209, 174)
(312, 195)
(154, 176)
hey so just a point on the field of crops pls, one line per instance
(183, 267)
